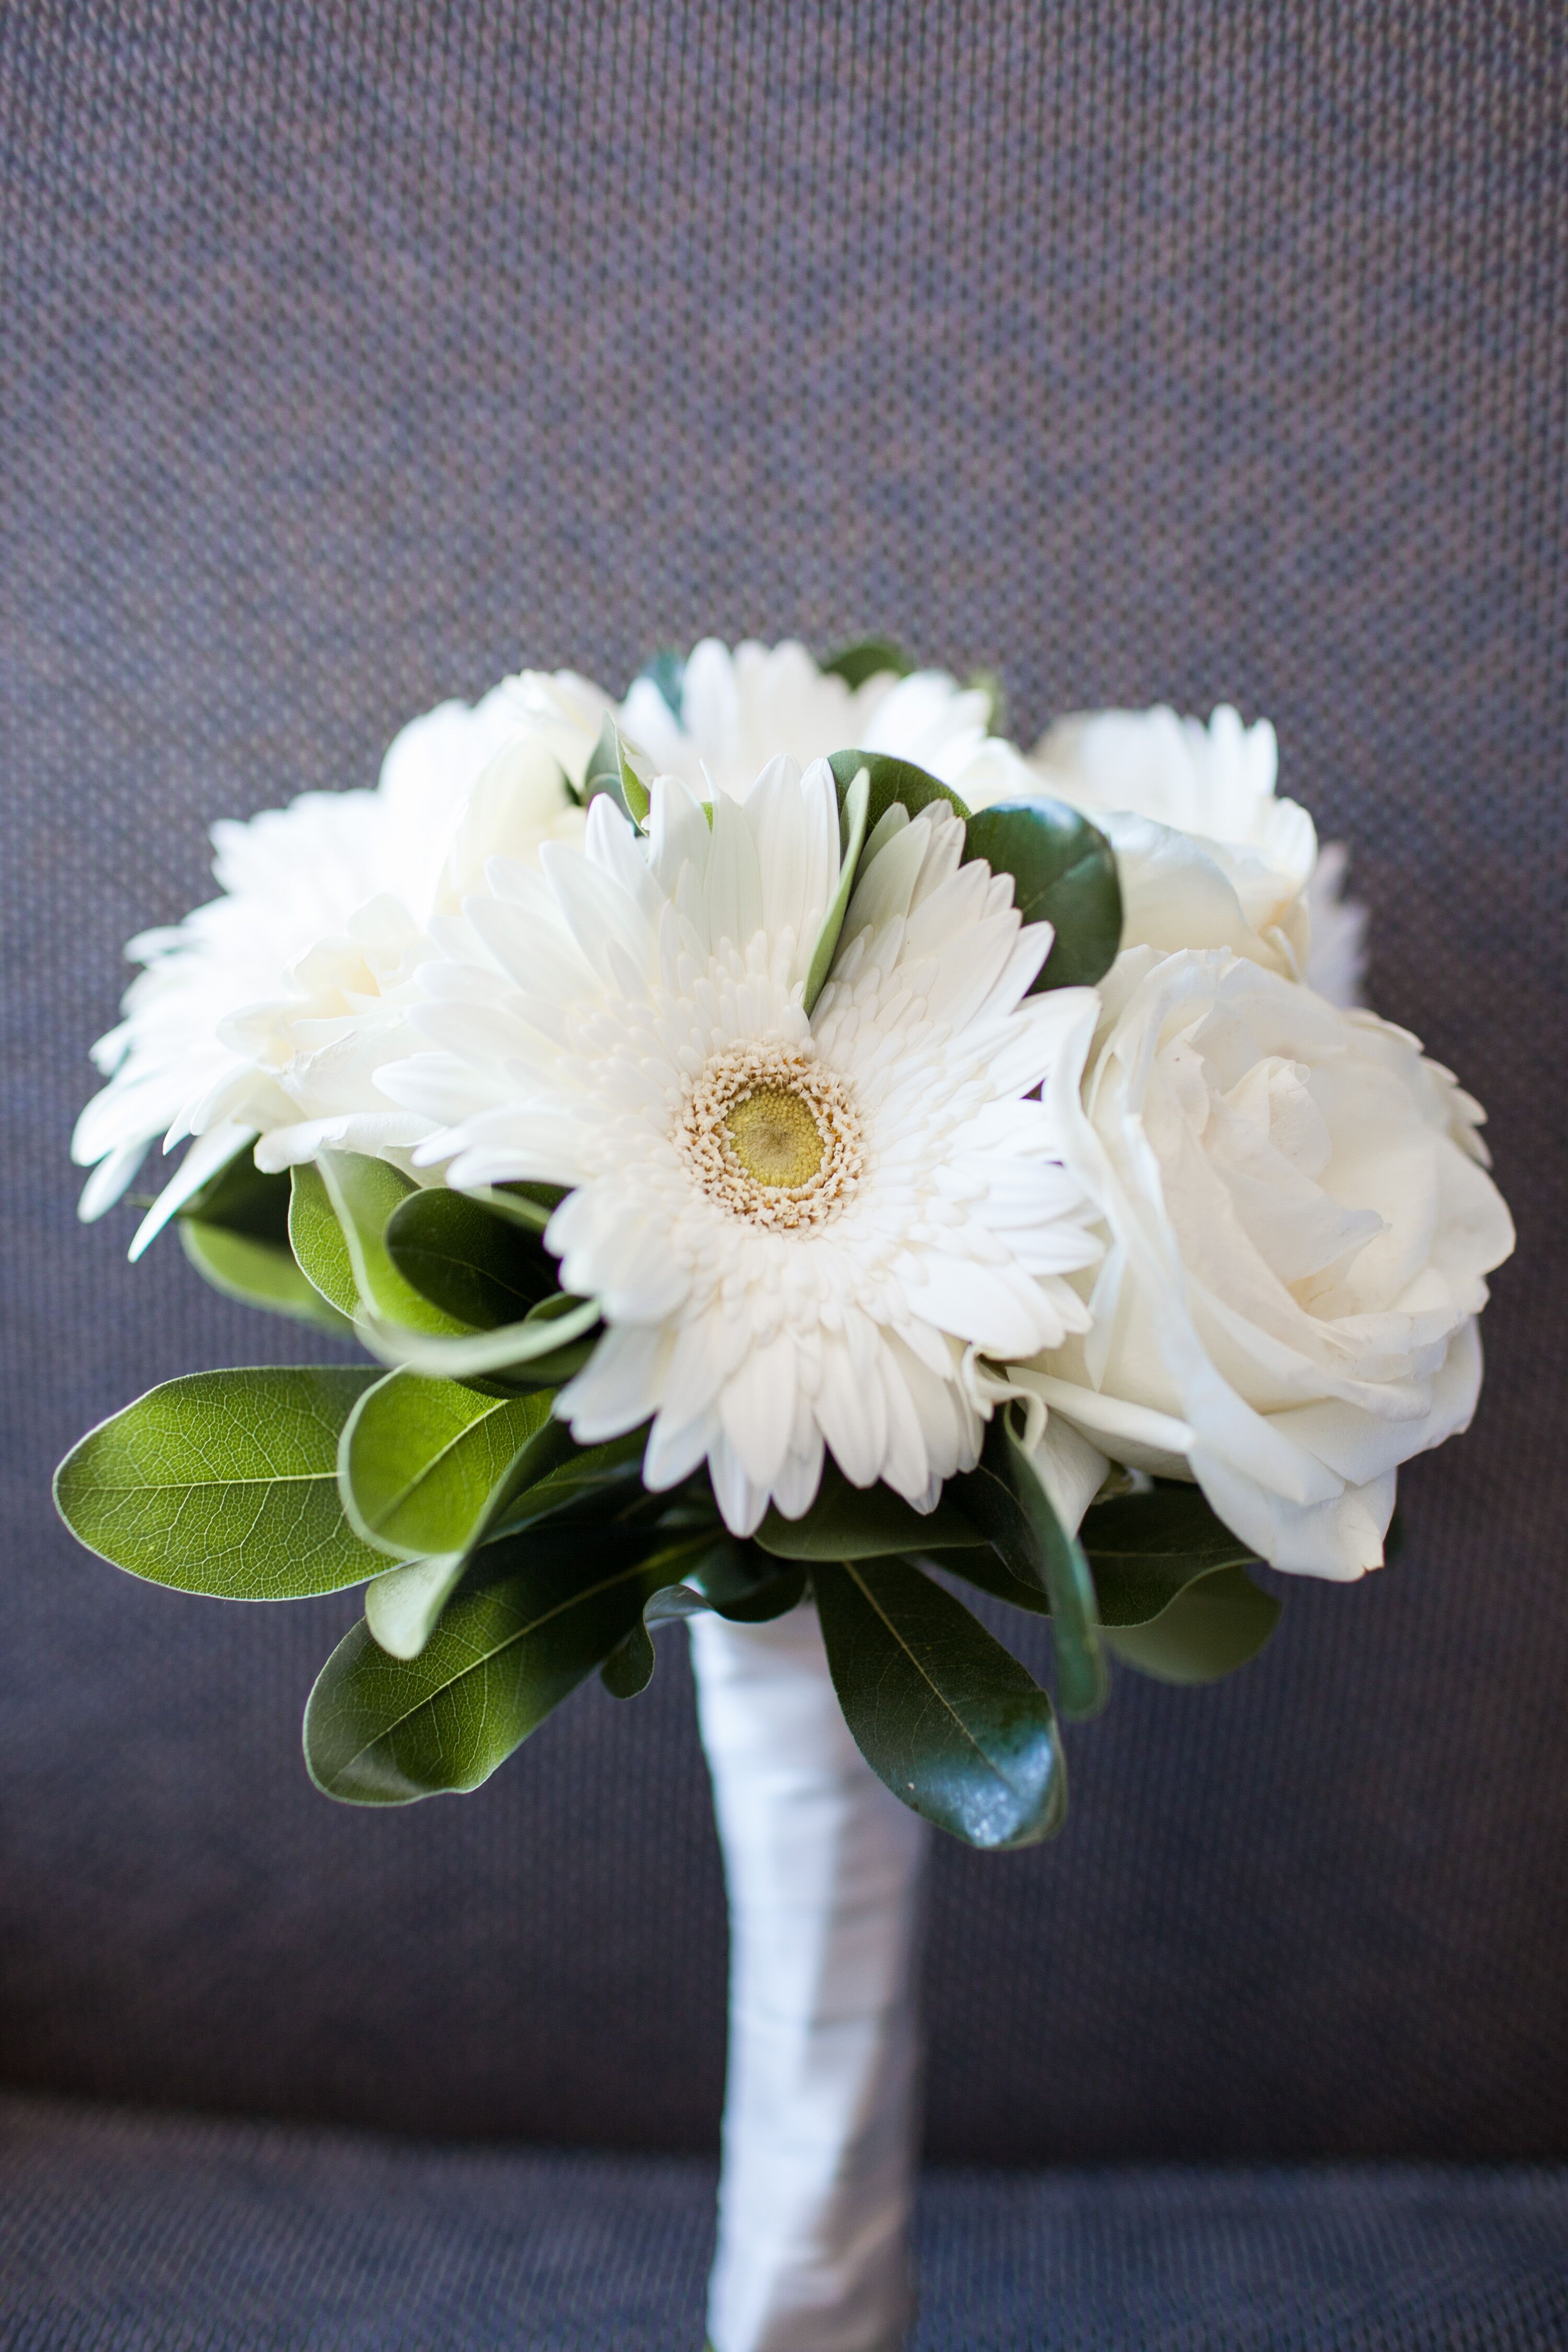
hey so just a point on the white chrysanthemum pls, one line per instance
(266, 1012)
(740, 710)
(799, 1227)
(1209, 855)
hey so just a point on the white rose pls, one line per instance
(1299, 1230)
(1209, 856)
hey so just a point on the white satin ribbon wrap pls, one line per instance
(823, 1867)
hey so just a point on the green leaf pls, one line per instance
(529, 1205)
(610, 770)
(235, 1232)
(587, 1480)
(515, 1641)
(481, 1269)
(867, 658)
(667, 671)
(317, 1241)
(243, 1199)
(1064, 874)
(854, 802)
(628, 1670)
(425, 1466)
(985, 1570)
(715, 1572)
(944, 1715)
(1144, 1549)
(891, 781)
(257, 1273)
(554, 1479)
(364, 1194)
(1220, 1621)
(403, 1607)
(847, 1522)
(988, 682)
(775, 1596)
(747, 1588)
(1006, 1499)
(551, 1343)
(224, 1483)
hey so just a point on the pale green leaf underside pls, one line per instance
(317, 1241)
(257, 1273)
(856, 802)
(363, 1193)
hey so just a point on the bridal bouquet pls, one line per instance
(797, 1163)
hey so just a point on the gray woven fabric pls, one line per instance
(118, 2233)
(353, 355)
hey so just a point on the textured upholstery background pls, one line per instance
(352, 355)
(123, 2234)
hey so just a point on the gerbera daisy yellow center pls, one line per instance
(776, 1139)
(770, 1136)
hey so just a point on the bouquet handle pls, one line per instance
(823, 1867)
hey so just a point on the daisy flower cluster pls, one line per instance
(777, 1141)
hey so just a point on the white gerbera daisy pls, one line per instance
(266, 1012)
(1210, 855)
(740, 710)
(798, 1226)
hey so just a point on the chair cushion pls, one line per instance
(126, 2230)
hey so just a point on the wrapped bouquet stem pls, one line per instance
(823, 1867)
(787, 1162)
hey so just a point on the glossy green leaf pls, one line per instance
(988, 1572)
(365, 1194)
(513, 1642)
(587, 1481)
(628, 1670)
(1220, 1621)
(944, 1715)
(890, 781)
(224, 1483)
(1064, 874)
(847, 1522)
(427, 1465)
(529, 1205)
(1144, 1549)
(482, 1268)
(317, 1241)
(715, 1571)
(1006, 1501)
(867, 658)
(259, 1273)
(761, 1602)
(611, 770)
(852, 839)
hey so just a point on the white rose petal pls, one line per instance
(1299, 1226)
(1209, 856)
